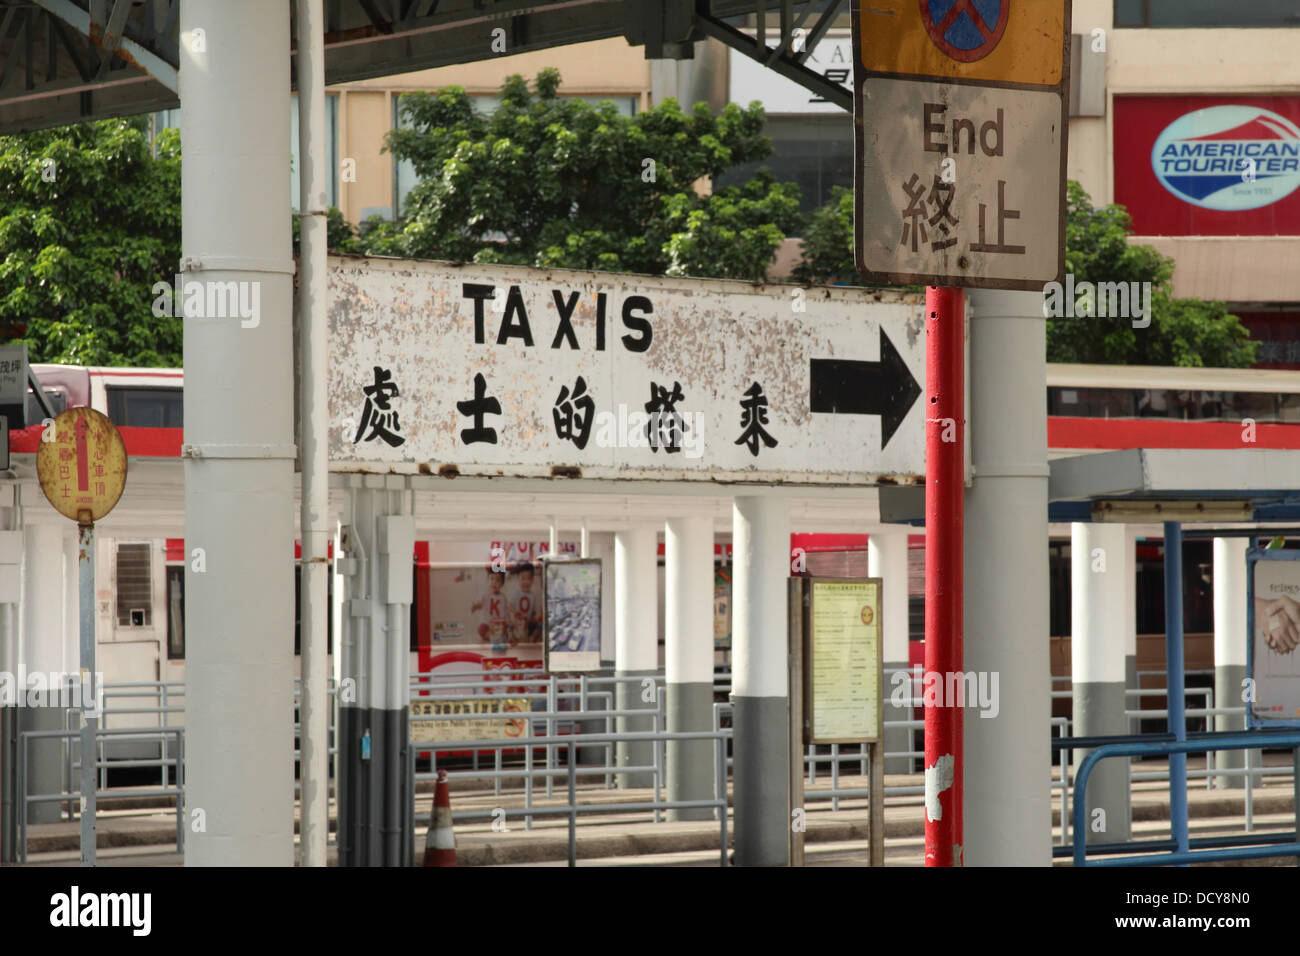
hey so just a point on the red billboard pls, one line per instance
(1209, 165)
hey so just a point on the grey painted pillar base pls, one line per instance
(898, 738)
(761, 780)
(690, 770)
(46, 766)
(1227, 693)
(634, 753)
(8, 783)
(1099, 711)
(374, 828)
(345, 784)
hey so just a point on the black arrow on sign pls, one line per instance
(885, 388)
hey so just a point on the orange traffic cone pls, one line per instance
(440, 844)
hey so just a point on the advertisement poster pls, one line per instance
(486, 610)
(843, 663)
(721, 610)
(1209, 165)
(572, 615)
(1273, 661)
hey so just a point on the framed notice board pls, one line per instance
(842, 661)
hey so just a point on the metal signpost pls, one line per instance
(960, 116)
(81, 465)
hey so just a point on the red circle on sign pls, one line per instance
(939, 31)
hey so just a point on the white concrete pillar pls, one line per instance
(1098, 587)
(42, 649)
(1008, 817)
(1130, 617)
(239, 504)
(887, 560)
(1230, 641)
(601, 545)
(44, 604)
(688, 647)
(636, 642)
(761, 681)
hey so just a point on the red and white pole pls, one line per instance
(945, 428)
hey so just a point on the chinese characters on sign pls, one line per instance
(753, 416)
(960, 118)
(377, 415)
(82, 467)
(502, 371)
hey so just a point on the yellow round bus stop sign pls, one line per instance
(81, 464)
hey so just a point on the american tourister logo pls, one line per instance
(1229, 158)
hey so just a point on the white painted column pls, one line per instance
(601, 545)
(688, 647)
(42, 648)
(1130, 615)
(313, 413)
(761, 681)
(1230, 639)
(887, 560)
(235, 228)
(636, 641)
(1098, 586)
(1008, 818)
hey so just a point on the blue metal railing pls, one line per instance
(1252, 846)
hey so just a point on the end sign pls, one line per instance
(960, 111)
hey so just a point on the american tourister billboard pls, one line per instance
(1209, 165)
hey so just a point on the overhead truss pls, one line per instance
(64, 61)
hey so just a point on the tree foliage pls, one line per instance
(89, 221)
(827, 256)
(551, 181)
(1186, 332)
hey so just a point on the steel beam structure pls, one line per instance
(67, 61)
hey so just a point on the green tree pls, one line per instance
(89, 221)
(827, 256)
(1182, 331)
(556, 182)
(1186, 332)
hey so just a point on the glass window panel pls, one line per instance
(1207, 13)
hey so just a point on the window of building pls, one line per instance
(815, 151)
(1207, 13)
(331, 150)
(404, 175)
(171, 119)
(144, 407)
(134, 581)
(57, 397)
(176, 612)
(1059, 603)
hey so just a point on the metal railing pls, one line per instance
(70, 736)
(572, 809)
(1201, 850)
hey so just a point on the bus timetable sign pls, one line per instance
(960, 117)
(81, 465)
